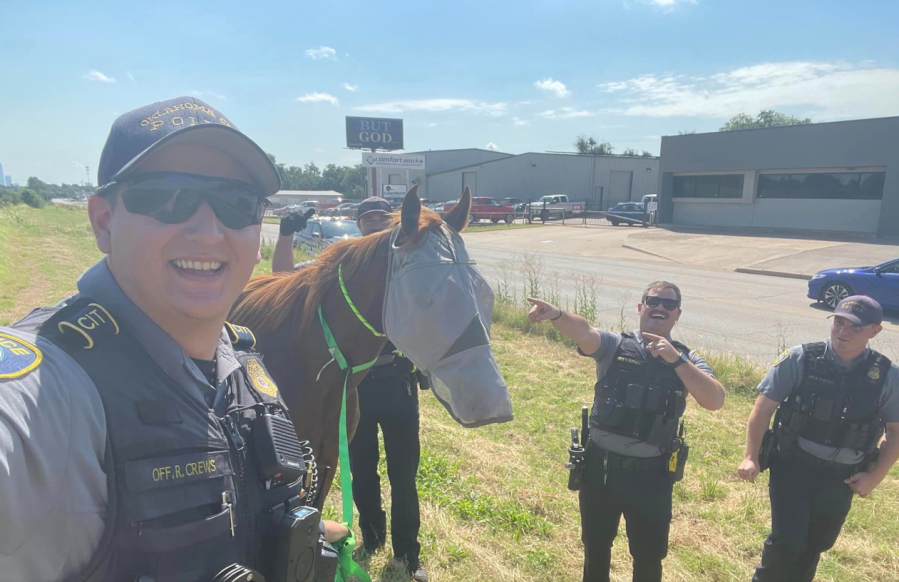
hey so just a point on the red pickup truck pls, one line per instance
(487, 209)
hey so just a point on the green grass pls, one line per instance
(42, 253)
(494, 502)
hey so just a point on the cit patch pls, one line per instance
(241, 337)
(782, 357)
(17, 357)
(259, 378)
(91, 322)
(874, 373)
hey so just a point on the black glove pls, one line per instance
(295, 222)
(403, 365)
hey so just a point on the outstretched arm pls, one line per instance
(570, 325)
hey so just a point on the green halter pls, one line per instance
(347, 567)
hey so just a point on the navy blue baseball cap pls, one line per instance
(860, 310)
(374, 204)
(183, 120)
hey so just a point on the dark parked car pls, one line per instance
(880, 282)
(626, 213)
(322, 231)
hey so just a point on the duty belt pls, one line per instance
(809, 460)
(634, 464)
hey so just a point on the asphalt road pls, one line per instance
(752, 315)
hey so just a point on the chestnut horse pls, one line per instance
(282, 308)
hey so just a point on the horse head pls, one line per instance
(437, 310)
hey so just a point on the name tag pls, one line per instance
(148, 474)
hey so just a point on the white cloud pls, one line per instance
(98, 76)
(322, 52)
(432, 124)
(520, 122)
(671, 3)
(319, 150)
(491, 146)
(130, 76)
(315, 97)
(564, 113)
(556, 88)
(350, 88)
(438, 105)
(823, 91)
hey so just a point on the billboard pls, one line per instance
(395, 189)
(394, 161)
(374, 133)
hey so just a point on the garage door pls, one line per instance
(470, 179)
(619, 188)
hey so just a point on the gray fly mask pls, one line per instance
(437, 311)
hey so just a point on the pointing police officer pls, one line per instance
(128, 441)
(830, 401)
(643, 379)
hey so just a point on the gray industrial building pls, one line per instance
(841, 176)
(600, 180)
(435, 161)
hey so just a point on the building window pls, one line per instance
(824, 186)
(726, 186)
(394, 178)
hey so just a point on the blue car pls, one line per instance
(625, 213)
(880, 282)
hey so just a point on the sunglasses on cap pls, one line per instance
(173, 197)
(669, 304)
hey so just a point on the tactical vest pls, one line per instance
(835, 409)
(185, 495)
(640, 396)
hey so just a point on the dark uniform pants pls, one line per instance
(644, 497)
(808, 508)
(388, 402)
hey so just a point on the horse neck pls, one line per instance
(366, 287)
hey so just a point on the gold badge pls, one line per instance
(874, 373)
(782, 357)
(260, 379)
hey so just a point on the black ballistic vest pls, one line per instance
(835, 409)
(640, 396)
(178, 472)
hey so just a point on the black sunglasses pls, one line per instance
(669, 304)
(173, 197)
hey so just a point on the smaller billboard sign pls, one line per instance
(393, 189)
(394, 161)
(374, 133)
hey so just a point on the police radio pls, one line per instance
(576, 452)
(280, 454)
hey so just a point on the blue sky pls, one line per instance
(519, 76)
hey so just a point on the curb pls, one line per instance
(774, 274)
(639, 250)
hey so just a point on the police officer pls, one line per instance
(643, 379)
(388, 396)
(127, 434)
(832, 400)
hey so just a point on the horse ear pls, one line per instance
(457, 218)
(411, 211)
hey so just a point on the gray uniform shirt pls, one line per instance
(786, 375)
(616, 443)
(53, 488)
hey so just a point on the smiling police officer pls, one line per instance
(832, 400)
(140, 437)
(634, 452)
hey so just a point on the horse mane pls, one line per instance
(270, 300)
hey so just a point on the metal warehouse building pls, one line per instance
(841, 176)
(601, 180)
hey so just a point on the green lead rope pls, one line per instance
(346, 566)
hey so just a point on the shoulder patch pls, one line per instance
(782, 357)
(241, 337)
(17, 357)
(260, 378)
